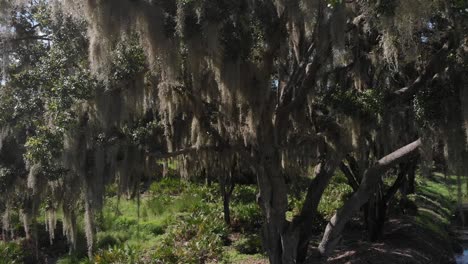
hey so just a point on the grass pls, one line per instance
(436, 199)
(177, 222)
(181, 222)
(334, 195)
(238, 258)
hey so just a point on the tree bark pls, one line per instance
(323, 173)
(273, 200)
(400, 180)
(410, 179)
(296, 236)
(352, 179)
(226, 210)
(355, 168)
(281, 238)
(378, 205)
(227, 188)
(371, 178)
(377, 212)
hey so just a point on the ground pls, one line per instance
(418, 237)
(180, 222)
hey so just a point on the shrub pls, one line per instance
(106, 240)
(73, 259)
(244, 194)
(167, 186)
(144, 212)
(187, 202)
(207, 194)
(11, 253)
(118, 255)
(112, 190)
(153, 227)
(157, 204)
(248, 217)
(250, 244)
(197, 237)
(124, 223)
(334, 196)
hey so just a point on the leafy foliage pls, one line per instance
(11, 253)
(114, 255)
(195, 237)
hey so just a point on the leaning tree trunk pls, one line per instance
(370, 180)
(323, 173)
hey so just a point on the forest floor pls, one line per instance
(176, 222)
(180, 222)
(422, 236)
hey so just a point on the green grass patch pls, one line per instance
(176, 222)
(234, 256)
(334, 196)
(436, 199)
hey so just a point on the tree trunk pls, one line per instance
(296, 235)
(227, 188)
(89, 227)
(273, 200)
(280, 236)
(410, 179)
(377, 212)
(371, 178)
(323, 173)
(165, 170)
(205, 175)
(226, 210)
(352, 179)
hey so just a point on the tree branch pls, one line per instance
(435, 65)
(396, 185)
(350, 176)
(189, 150)
(305, 74)
(43, 37)
(354, 167)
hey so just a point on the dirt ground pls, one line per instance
(405, 242)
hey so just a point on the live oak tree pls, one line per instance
(60, 127)
(272, 86)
